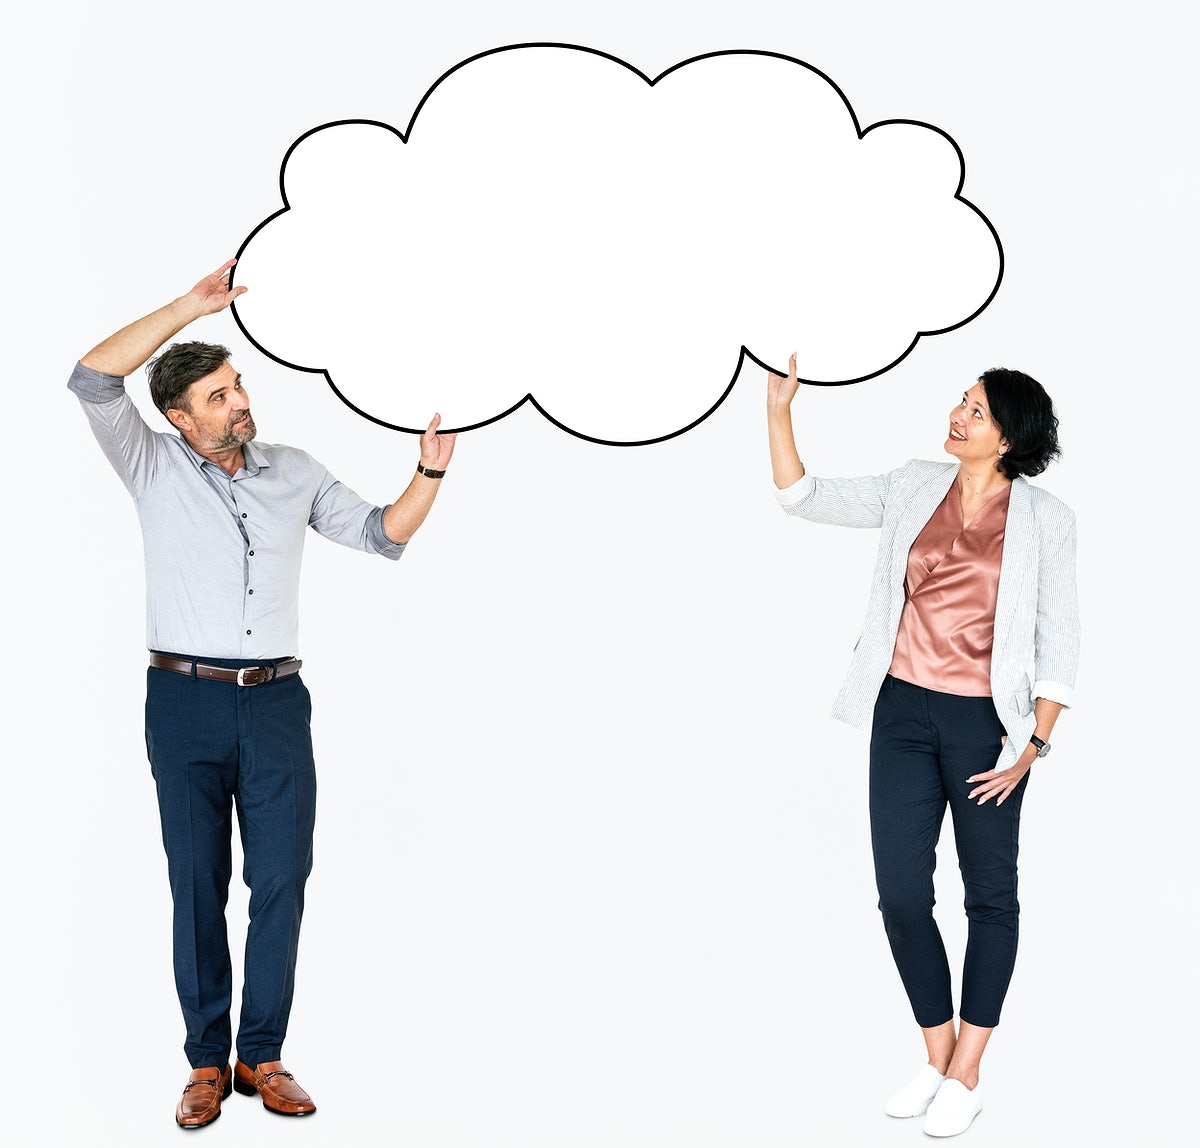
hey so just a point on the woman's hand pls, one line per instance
(786, 467)
(780, 390)
(999, 783)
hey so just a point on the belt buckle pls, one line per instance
(241, 675)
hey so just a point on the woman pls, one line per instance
(974, 581)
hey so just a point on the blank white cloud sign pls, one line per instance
(555, 227)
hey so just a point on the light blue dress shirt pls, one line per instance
(223, 552)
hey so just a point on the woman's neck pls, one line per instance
(981, 480)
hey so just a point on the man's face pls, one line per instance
(218, 412)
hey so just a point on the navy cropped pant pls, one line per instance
(924, 746)
(213, 746)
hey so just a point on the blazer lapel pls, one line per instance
(918, 511)
(1018, 553)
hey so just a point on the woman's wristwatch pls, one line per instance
(1042, 747)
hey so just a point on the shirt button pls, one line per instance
(249, 591)
(251, 553)
(247, 631)
(243, 514)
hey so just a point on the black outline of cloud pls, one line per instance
(744, 354)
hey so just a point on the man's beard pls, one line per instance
(237, 434)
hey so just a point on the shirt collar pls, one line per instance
(253, 455)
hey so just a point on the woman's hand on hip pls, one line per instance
(999, 783)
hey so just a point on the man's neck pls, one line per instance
(230, 460)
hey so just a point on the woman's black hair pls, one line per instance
(1025, 415)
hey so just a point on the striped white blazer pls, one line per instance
(1037, 615)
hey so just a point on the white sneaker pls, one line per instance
(953, 1109)
(914, 1097)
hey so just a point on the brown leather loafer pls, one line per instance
(200, 1103)
(277, 1087)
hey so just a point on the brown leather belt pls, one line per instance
(246, 676)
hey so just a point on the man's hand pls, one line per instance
(401, 519)
(436, 449)
(212, 293)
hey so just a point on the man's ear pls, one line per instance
(179, 419)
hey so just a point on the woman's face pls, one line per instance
(973, 436)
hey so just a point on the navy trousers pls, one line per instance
(924, 746)
(213, 746)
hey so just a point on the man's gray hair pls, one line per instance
(178, 367)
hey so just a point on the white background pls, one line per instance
(592, 863)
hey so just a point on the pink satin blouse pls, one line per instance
(945, 637)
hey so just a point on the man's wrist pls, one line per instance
(185, 309)
(429, 472)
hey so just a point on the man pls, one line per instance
(227, 716)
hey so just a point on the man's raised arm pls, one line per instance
(121, 354)
(401, 519)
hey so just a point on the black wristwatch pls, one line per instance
(1043, 747)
